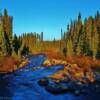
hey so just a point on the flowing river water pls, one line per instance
(23, 83)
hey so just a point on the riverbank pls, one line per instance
(82, 68)
(72, 71)
(10, 64)
(73, 78)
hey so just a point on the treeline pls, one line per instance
(20, 44)
(83, 37)
(31, 41)
(6, 30)
(13, 45)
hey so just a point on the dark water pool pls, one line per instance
(22, 84)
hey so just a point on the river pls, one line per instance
(22, 84)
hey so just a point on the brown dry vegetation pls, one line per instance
(8, 64)
(81, 61)
(79, 66)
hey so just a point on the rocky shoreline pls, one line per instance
(71, 71)
(68, 86)
(72, 79)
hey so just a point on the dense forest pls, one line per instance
(82, 37)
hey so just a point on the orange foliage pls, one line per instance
(79, 67)
(82, 61)
(53, 53)
(58, 76)
(8, 64)
(86, 62)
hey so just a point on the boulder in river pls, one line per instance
(47, 62)
(43, 82)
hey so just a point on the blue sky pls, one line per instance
(48, 16)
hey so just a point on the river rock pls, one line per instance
(43, 82)
(57, 89)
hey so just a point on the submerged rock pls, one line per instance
(77, 92)
(83, 91)
(57, 89)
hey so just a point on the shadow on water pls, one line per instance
(5, 92)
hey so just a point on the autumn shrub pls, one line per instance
(8, 63)
(86, 62)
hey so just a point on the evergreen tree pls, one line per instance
(16, 44)
(64, 51)
(86, 47)
(6, 47)
(94, 42)
(6, 22)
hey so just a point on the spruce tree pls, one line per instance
(6, 47)
(16, 44)
(94, 42)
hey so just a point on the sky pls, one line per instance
(48, 16)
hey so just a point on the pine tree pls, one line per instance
(79, 23)
(94, 42)
(89, 30)
(7, 26)
(85, 41)
(6, 47)
(6, 22)
(79, 46)
(16, 44)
